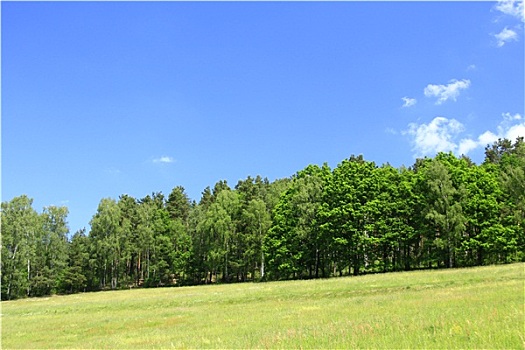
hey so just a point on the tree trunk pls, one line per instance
(147, 263)
(114, 272)
(28, 277)
(262, 264)
(140, 274)
(225, 277)
(105, 273)
(385, 258)
(316, 262)
(9, 287)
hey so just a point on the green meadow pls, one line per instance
(480, 307)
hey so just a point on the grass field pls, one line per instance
(461, 308)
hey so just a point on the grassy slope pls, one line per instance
(466, 308)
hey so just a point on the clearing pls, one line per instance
(480, 307)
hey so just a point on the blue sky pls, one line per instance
(105, 98)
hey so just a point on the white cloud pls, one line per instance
(486, 138)
(512, 8)
(505, 36)
(446, 92)
(509, 117)
(408, 102)
(163, 159)
(440, 135)
(436, 136)
(515, 131)
(512, 126)
(471, 67)
(467, 145)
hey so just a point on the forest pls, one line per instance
(357, 218)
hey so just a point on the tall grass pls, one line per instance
(461, 308)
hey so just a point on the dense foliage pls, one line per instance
(357, 218)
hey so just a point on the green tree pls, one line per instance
(294, 244)
(73, 278)
(482, 212)
(108, 239)
(274, 192)
(512, 170)
(206, 198)
(198, 265)
(21, 227)
(279, 245)
(180, 252)
(405, 207)
(178, 204)
(389, 230)
(51, 246)
(161, 265)
(146, 213)
(129, 220)
(258, 221)
(220, 226)
(495, 152)
(444, 211)
(346, 213)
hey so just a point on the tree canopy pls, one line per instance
(357, 218)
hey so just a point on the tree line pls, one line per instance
(354, 219)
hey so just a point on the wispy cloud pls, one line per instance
(505, 36)
(512, 8)
(442, 135)
(507, 117)
(391, 131)
(512, 126)
(408, 102)
(445, 92)
(163, 159)
(515, 9)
